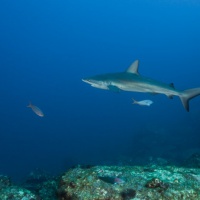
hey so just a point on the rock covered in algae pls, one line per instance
(11, 192)
(36, 187)
(41, 183)
(140, 183)
(4, 181)
(17, 193)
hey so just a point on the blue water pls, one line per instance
(47, 47)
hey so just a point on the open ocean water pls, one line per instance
(47, 47)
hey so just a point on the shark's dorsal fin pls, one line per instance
(133, 68)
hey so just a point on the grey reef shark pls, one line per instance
(130, 80)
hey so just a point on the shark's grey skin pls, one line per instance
(132, 81)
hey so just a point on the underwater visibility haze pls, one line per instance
(48, 47)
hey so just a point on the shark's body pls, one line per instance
(132, 81)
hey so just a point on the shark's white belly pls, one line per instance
(146, 88)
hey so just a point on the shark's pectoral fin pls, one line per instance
(133, 68)
(114, 88)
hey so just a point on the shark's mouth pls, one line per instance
(100, 86)
(96, 85)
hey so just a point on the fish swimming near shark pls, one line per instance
(130, 80)
(143, 102)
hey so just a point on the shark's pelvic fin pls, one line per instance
(133, 68)
(170, 96)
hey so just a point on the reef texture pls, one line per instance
(36, 187)
(130, 182)
(10, 192)
(150, 182)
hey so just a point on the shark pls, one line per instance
(130, 80)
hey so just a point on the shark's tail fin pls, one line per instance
(186, 95)
(30, 105)
(134, 101)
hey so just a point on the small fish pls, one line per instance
(143, 102)
(36, 110)
(118, 180)
(112, 180)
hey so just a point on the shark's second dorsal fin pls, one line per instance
(133, 68)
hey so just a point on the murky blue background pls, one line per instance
(47, 47)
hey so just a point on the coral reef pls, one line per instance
(17, 193)
(38, 186)
(150, 182)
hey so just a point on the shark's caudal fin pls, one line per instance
(186, 95)
(30, 105)
(134, 101)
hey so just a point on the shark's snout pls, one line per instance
(87, 80)
(95, 83)
(84, 80)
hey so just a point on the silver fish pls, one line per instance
(143, 102)
(36, 110)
